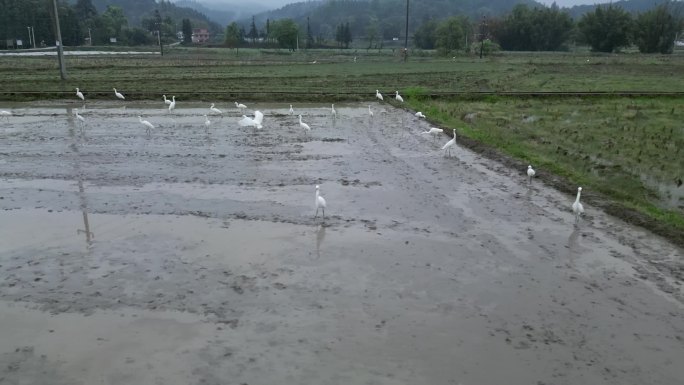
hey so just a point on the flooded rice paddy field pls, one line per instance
(192, 256)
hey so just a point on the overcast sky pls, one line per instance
(570, 3)
(280, 3)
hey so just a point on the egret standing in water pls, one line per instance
(166, 101)
(119, 94)
(80, 94)
(530, 173)
(172, 106)
(5, 114)
(215, 110)
(320, 202)
(303, 125)
(434, 131)
(378, 95)
(449, 144)
(334, 113)
(577, 207)
(398, 97)
(207, 122)
(79, 117)
(148, 126)
(370, 112)
(240, 106)
(291, 110)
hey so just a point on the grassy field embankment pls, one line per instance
(628, 150)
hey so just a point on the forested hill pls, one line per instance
(632, 6)
(137, 10)
(224, 13)
(387, 16)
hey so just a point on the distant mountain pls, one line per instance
(386, 16)
(137, 10)
(223, 13)
(632, 6)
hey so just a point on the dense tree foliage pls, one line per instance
(233, 36)
(450, 35)
(187, 31)
(656, 30)
(426, 35)
(607, 29)
(343, 35)
(447, 36)
(101, 20)
(632, 6)
(285, 32)
(372, 20)
(533, 29)
(445, 25)
(138, 10)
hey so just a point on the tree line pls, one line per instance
(80, 22)
(608, 28)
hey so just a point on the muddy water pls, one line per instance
(192, 256)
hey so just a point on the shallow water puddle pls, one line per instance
(192, 256)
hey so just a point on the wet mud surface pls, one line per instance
(192, 256)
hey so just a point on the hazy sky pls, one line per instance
(570, 3)
(280, 3)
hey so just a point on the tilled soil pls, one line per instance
(192, 256)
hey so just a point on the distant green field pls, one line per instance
(262, 74)
(629, 150)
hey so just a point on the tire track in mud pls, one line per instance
(376, 144)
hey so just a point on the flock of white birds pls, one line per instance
(257, 122)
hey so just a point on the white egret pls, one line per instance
(118, 94)
(530, 173)
(172, 106)
(215, 110)
(370, 112)
(240, 106)
(80, 94)
(291, 110)
(207, 122)
(434, 131)
(320, 202)
(166, 101)
(420, 115)
(398, 97)
(378, 95)
(5, 114)
(303, 125)
(577, 207)
(79, 117)
(449, 144)
(332, 110)
(249, 122)
(148, 126)
(354, 59)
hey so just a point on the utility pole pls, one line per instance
(29, 33)
(33, 35)
(406, 37)
(90, 38)
(161, 47)
(483, 33)
(60, 49)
